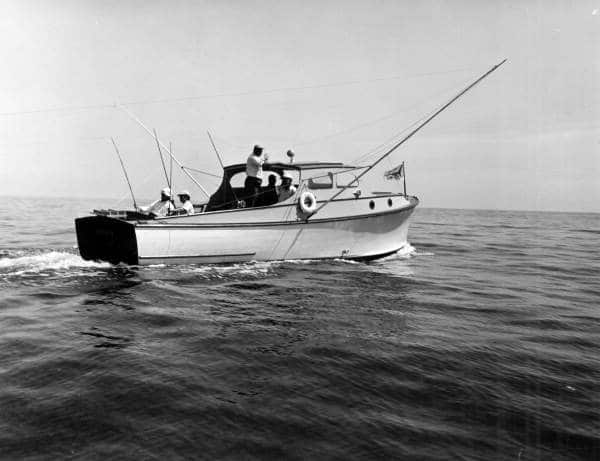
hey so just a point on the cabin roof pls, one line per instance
(291, 166)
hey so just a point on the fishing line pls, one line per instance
(67, 108)
(379, 148)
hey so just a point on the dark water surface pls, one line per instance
(481, 342)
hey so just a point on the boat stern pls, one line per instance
(102, 238)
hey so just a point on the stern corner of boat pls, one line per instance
(104, 238)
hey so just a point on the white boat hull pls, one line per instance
(265, 234)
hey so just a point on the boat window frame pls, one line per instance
(311, 184)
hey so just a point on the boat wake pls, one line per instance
(223, 271)
(44, 263)
(62, 263)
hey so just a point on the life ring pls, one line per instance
(307, 203)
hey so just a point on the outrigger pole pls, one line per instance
(412, 133)
(139, 122)
(124, 171)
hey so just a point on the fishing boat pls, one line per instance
(337, 211)
(357, 224)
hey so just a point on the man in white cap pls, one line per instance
(161, 207)
(254, 172)
(186, 202)
(286, 190)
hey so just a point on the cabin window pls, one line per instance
(344, 179)
(321, 182)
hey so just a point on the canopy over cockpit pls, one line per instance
(275, 166)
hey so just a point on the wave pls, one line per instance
(43, 262)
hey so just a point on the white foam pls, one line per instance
(52, 260)
(256, 268)
(406, 252)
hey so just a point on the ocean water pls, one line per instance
(481, 341)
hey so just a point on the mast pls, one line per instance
(411, 134)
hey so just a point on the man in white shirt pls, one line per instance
(186, 202)
(254, 172)
(161, 207)
(286, 190)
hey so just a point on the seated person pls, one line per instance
(286, 190)
(269, 193)
(162, 207)
(186, 203)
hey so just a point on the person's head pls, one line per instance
(286, 180)
(184, 196)
(165, 194)
(258, 150)
(272, 180)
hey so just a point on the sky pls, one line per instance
(332, 80)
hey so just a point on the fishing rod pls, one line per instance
(411, 134)
(125, 172)
(171, 169)
(215, 148)
(220, 161)
(162, 160)
(139, 122)
(203, 172)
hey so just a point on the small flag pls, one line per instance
(395, 173)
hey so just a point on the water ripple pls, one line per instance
(478, 341)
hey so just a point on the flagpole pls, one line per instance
(404, 176)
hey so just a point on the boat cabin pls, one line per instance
(318, 175)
